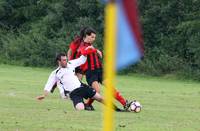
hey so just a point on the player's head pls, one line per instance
(61, 59)
(88, 35)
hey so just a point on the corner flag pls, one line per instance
(123, 46)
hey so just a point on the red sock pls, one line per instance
(90, 101)
(119, 98)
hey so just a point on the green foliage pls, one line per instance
(32, 49)
(41, 28)
(171, 35)
(33, 32)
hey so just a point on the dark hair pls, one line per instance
(86, 31)
(58, 56)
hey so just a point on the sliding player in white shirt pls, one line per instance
(69, 84)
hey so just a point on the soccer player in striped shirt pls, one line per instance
(93, 69)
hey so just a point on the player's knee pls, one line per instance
(98, 97)
(96, 86)
(80, 106)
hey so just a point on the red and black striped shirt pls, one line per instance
(93, 61)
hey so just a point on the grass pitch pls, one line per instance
(168, 105)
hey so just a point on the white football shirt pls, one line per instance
(66, 77)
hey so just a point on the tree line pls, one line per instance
(33, 31)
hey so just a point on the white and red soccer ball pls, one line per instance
(135, 106)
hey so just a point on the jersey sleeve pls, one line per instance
(77, 62)
(72, 46)
(50, 82)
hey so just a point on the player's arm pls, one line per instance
(99, 53)
(77, 62)
(49, 85)
(69, 53)
(72, 48)
(82, 59)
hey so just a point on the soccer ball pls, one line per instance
(135, 106)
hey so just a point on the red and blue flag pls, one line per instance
(129, 37)
(129, 49)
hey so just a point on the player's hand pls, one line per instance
(40, 97)
(89, 48)
(99, 53)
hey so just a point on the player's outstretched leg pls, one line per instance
(100, 99)
(125, 103)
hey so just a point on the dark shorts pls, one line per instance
(78, 94)
(94, 75)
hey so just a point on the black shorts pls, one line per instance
(78, 94)
(94, 75)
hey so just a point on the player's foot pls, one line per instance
(127, 105)
(118, 109)
(121, 110)
(89, 107)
